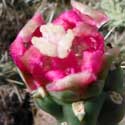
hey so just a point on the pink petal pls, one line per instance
(54, 75)
(38, 18)
(92, 61)
(86, 19)
(90, 36)
(99, 17)
(17, 49)
(78, 80)
(68, 64)
(33, 61)
(22, 41)
(68, 19)
(85, 29)
(31, 26)
(31, 82)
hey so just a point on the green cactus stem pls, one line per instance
(69, 116)
(113, 109)
(47, 104)
(92, 109)
(114, 80)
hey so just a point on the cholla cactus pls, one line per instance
(64, 64)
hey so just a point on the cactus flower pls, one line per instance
(66, 53)
(65, 66)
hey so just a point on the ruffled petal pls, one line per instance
(68, 65)
(22, 41)
(30, 27)
(77, 80)
(18, 45)
(92, 61)
(68, 19)
(33, 61)
(54, 75)
(90, 36)
(31, 82)
(99, 18)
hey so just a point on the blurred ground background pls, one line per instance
(16, 104)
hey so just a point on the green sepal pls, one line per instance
(112, 112)
(69, 96)
(49, 106)
(69, 116)
(92, 109)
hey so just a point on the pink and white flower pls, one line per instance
(66, 53)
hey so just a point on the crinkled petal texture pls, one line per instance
(84, 62)
(98, 18)
(81, 13)
(22, 51)
(63, 54)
